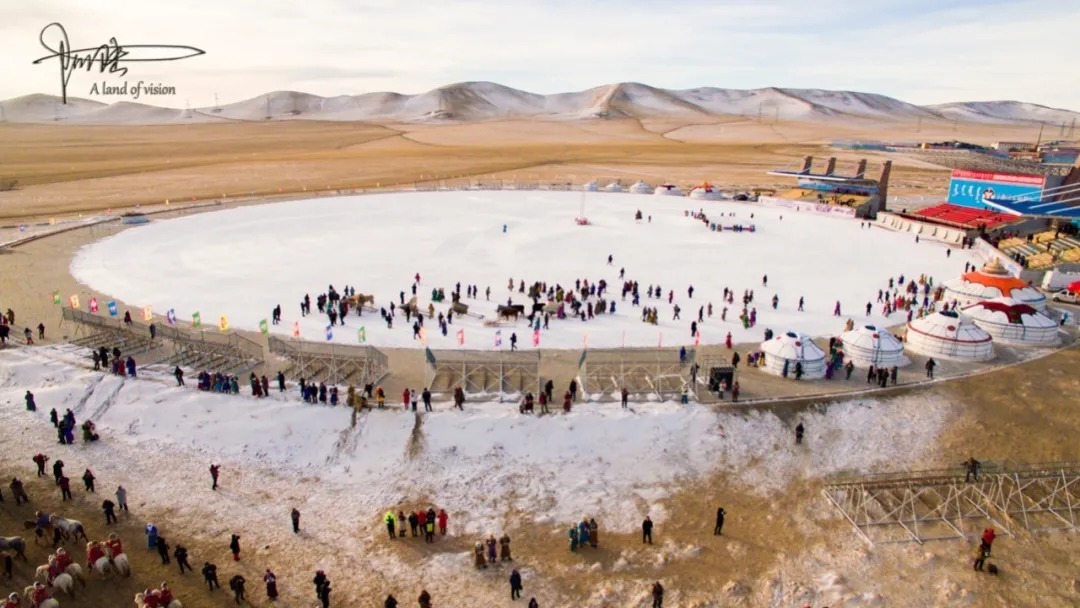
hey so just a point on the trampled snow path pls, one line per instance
(242, 262)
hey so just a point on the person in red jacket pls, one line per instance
(12, 601)
(566, 401)
(166, 597)
(63, 559)
(988, 538)
(443, 517)
(115, 546)
(40, 595)
(65, 488)
(421, 519)
(152, 599)
(405, 399)
(54, 569)
(94, 553)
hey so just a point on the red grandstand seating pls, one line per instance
(964, 216)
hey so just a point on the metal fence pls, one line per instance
(333, 363)
(491, 372)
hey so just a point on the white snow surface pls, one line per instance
(241, 262)
(482, 465)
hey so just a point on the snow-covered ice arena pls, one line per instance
(240, 263)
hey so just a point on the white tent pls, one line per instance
(591, 187)
(705, 192)
(992, 281)
(791, 348)
(641, 188)
(668, 190)
(870, 345)
(947, 335)
(613, 187)
(1012, 322)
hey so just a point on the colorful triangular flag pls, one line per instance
(223, 324)
(114, 310)
(296, 329)
(461, 337)
(74, 301)
(196, 320)
(361, 335)
(170, 316)
(264, 327)
(147, 313)
(93, 305)
(56, 296)
(536, 337)
(498, 337)
(329, 333)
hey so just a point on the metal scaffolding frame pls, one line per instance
(196, 349)
(499, 372)
(333, 363)
(943, 504)
(642, 371)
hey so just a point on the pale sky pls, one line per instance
(920, 51)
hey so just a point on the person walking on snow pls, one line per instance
(271, 584)
(295, 516)
(88, 480)
(799, 433)
(515, 585)
(646, 530)
(215, 469)
(31, 406)
(234, 546)
(209, 572)
(180, 554)
(442, 518)
(657, 595)
(389, 520)
(720, 513)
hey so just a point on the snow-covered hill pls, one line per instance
(478, 101)
(1004, 112)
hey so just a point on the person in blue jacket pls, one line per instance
(151, 536)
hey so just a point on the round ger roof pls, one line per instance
(948, 326)
(1007, 311)
(872, 338)
(792, 346)
(993, 281)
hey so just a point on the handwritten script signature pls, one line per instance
(109, 56)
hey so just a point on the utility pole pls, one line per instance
(267, 106)
(1072, 128)
(215, 101)
(1039, 140)
(759, 111)
(918, 125)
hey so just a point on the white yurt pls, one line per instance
(641, 188)
(792, 348)
(989, 282)
(668, 190)
(705, 192)
(948, 335)
(871, 345)
(591, 187)
(613, 187)
(1012, 322)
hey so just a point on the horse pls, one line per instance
(28, 595)
(73, 570)
(140, 602)
(510, 312)
(14, 543)
(121, 564)
(69, 528)
(63, 581)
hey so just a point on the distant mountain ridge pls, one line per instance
(480, 101)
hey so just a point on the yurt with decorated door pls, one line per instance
(868, 345)
(1012, 322)
(949, 335)
(989, 282)
(789, 349)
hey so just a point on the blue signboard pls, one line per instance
(979, 194)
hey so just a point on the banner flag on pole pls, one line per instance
(329, 333)
(423, 336)
(697, 338)
(296, 329)
(660, 343)
(264, 327)
(461, 337)
(223, 324)
(114, 310)
(170, 316)
(147, 313)
(430, 356)
(624, 338)
(536, 337)
(196, 320)
(585, 338)
(361, 334)
(498, 337)
(581, 361)
(93, 305)
(56, 296)
(74, 300)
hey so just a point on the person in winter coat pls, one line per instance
(504, 548)
(109, 507)
(121, 498)
(425, 599)
(151, 536)
(130, 364)
(402, 523)
(209, 572)
(234, 546)
(478, 555)
(491, 544)
(391, 602)
(65, 489)
(442, 518)
(594, 533)
(236, 583)
(180, 554)
(720, 513)
(429, 530)
(271, 584)
(215, 470)
(657, 595)
(567, 401)
(573, 534)
(40, 460)
(324, 594)
(58, 470)
(31, 406)
(163, 550)
(88, 480)
(389, 520)
(533, 603)
(515, 584)
(646, 530)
